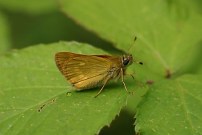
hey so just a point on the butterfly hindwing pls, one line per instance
(83, 71)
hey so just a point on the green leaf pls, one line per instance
(4, 34)
(168, 31)
(36, 30)
(29, 6)
(29, 78)
(172, 107)
(169, 43)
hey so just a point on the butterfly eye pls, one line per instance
(125, 61)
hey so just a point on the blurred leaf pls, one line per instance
(34, 29)
(29, 6)
(28, 30)
(168, 31)
(4, 34)
(29, 78)
(172, 107)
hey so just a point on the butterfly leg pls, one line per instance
(131, 75)
(102, 87)
(122, 79)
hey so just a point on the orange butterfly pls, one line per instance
(89, 71)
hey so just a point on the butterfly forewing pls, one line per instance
(83, 71)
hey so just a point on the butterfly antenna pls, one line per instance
(133, 44)
(138, 62)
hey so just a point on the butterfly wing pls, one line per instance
(83, 71)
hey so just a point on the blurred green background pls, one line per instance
(25, 25)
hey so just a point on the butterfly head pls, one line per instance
(128, 60)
